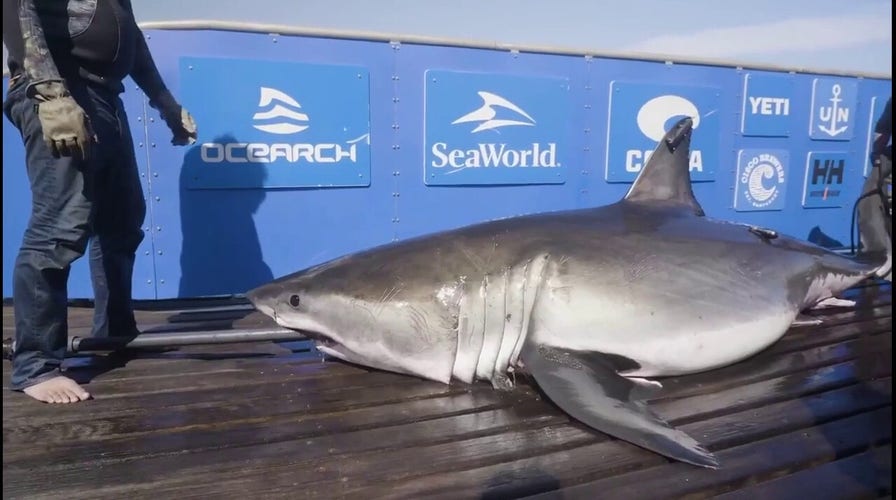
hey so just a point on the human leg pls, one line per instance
(120, 210)
(56, 235)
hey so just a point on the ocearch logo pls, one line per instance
(282, 108)
(652, 119)
(280, 111)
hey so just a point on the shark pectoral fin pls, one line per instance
(803, 320)
(834, 302)
(593, 393)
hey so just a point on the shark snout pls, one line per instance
(265, 297)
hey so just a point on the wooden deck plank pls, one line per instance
(865, 475)
(562, 436)
(748, 463)
(273, 420)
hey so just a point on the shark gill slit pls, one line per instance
(493, 325)
(470, 325)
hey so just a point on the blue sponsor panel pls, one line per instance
(762, 176)
(878, 103)
(422, 207)
(641, 113)
(767, 105)
(828, 179)
(495, 129)
(224, 241)
(833, 112)
(303, 125)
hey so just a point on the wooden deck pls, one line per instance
(811, 417)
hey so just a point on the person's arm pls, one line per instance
(883, 129)
(39, 64)
(66, 128)
(146, 75)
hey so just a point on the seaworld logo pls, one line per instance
(493, 154)
(281, 118)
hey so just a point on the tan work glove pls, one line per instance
(66, 127)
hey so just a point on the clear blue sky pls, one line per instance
(851, 35)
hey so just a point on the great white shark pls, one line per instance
(590, 302)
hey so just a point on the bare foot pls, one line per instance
(57, 390)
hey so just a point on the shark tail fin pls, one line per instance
(666, 178)
(875, 225)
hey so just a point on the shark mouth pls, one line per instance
(320, 340)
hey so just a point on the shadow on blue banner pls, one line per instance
(221, 252)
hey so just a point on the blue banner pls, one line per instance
(277, 124)
(761, 183)
(833, 109)
(766, 108)
(641, 113)
(493, 129)
(827, 176)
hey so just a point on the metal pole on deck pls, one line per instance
(172, 339)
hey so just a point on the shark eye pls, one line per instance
(294, 300)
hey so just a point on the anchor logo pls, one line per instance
(832, 115)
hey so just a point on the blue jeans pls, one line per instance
(99, 200)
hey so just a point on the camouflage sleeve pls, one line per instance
(38, 61)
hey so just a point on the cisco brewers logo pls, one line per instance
(495, 154)
(761, 180)
(641, 114)
(279, 114)
(483, 128)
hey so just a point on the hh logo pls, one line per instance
(508, 130)
(766, 105)
(285, 124)
(761, 180)
(641, 113)
(826, 179)
(833, 109)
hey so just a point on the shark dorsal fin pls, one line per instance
(666, 178)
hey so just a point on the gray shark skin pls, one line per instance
(589, 302)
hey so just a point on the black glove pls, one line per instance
(66, 127)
